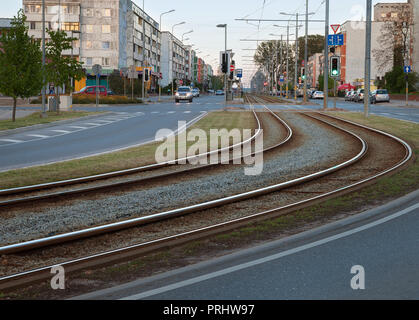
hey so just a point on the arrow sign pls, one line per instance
(407, 69)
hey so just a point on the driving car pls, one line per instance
(91, 90)
(184, 93)
(318, 95)
(380, 95)
(219, 93)
(195, 92)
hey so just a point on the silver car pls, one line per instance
(318, 95)
(184, 93)
(380, 95)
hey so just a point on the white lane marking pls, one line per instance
(104, 121)
(269, 258)
(37, 136)
(75, 127)
(61, 131)
(187, 111)
(170, 112)
(155, 112)
(11, 140)
(93, 124)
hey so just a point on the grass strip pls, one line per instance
(35, 118)
(126, 159)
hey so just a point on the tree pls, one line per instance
(60, 69)
(394, 39)
(321, 83)
(20, 62)
(315, 44)
(396, 80)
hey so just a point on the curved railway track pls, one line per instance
(135, 250)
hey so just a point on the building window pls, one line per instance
(394, 15)
(106, 61)
(106, 45)
(88, 44)
(89, 12)
(52, 9)
(106, 28)
(89, 61)
(33, 25)
(70, 26)
(89, 28)
(107, 13)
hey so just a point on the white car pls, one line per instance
(184, 93)
(219, 93)
(380, 95)
(318, 95)
(195, 92)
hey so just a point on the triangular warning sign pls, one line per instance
(335, 27)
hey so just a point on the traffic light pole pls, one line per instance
(367, 78)
(306, 55)
(326, 59)
(296, 58)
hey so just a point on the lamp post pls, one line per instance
(43, 114)
(280, 60)
(143, 57)
(296, 48)
(186, 34)
(172, 35)
(288, 39)
(225, 52)
(405, 30)
(167, 12)
(72, 79)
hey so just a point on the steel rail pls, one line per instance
(113, 174)
(121, 254)
(112, 227)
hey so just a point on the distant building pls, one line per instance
(5, 24)
(415, 54)
(390, 11)
(173, 59)
(314, 69)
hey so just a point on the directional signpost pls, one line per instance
(407, 69)
(336, 40)
(97, 70)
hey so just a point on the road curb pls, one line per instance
(51, 124)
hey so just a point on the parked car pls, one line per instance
(184, 93)
(359, 95)
(195, 92)
(219, 93)
(211, 91)
(91, 90)
(349, 95)
(318, 95)
(380, 95)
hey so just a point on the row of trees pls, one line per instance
(21, 72)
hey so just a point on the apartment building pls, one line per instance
(314, 69)
(109, 33)
(173, 59)
(5, 24)
(390, 11)
(415, 38)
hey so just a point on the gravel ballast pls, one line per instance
(319, 148)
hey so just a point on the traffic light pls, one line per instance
(224, 62)
(335, 67)
(146, 75)
(303, 73)
(332, 49)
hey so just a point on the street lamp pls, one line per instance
(225, 52)
(296, 48)
(167, 12)
(186, 34)
(177, 24)
(43, 114)
(72, 47)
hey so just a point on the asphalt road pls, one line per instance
(314, 265)
(380, 109)
(126, 126)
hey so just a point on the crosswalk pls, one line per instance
(45, 133)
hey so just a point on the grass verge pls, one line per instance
(129, 158)
(35, 118)
(384, 190)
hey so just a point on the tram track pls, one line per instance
(133, 250)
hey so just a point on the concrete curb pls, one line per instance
(51, 124)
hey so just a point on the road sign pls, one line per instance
(239, 73)
(232, 67)
(281, 79)
(97, 69)
(336, 40)
(335, 27)
(407, 69)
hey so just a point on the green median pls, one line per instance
(35, 119)
(125, 159)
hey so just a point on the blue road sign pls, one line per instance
(335, 40)
(407, 69)
(239, 73)
(281, 79)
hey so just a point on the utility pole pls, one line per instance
(288, 40)
(306, 55)
(144, 37)
(280, 64)
(43, 114)
(326, 59)
(296, 58)
(367, 79)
